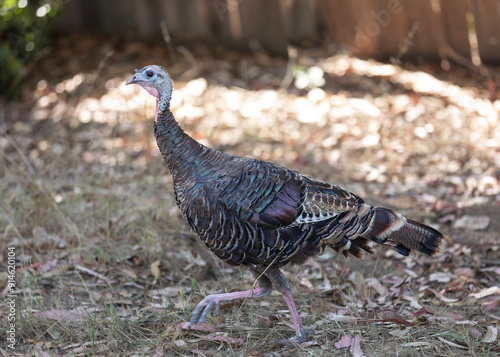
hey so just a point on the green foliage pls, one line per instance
(10, 76)
(308, 78)
(23, 32)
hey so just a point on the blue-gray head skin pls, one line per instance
(156, 81)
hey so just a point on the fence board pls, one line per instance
(300, 19)
(344, 21)
(90, 14)
(429, 36)
(368, 28)
(146, 18)
(395, 24)
(486, 20)
(218, 17)
(379, 28)
(264, 23)
(455, 25)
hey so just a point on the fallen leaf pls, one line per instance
(342, 318)
(61, 315)
(494, 317)
(442, 297)
(345, 341)
(155, 270)
(413, 301)
(492, 306)
(153, 305)
(356, 348)
(128, 272)
(451, 343)
(203, 352)
(476, 223)
(486, 292)
(180, 343)
(82, 348)
(474, 332)
(309, 344)
(455, 317)
(58, 270)
(394, 321)
(83, 344)
(41, 352)
(205, 326)
(159, 350)
(417, 344)
(440, 277)
(491, 334)
(467, 272)
(79, 351)
(47, 265)
(400, 333)
(169, 291)
(466, 322)
(221, 338)
(375, 284)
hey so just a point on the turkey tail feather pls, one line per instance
(402, 234)
(352, 231)
(415, 236)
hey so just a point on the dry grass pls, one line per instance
(89, 207)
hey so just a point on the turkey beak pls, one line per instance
(132, 80)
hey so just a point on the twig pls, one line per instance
(93, 273)
(100, 66)
(168, 40)
(103, 62)
(457, 57)
(292, 61)
(34, 61)
(29, 166)
(108, 208)
(189, 56)
(407, 43)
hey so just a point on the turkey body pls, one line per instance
(249, 211)
(264, 216)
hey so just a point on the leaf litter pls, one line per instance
(105, 252)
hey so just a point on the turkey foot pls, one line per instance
(204, 306)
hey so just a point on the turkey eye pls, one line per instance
(149, 74)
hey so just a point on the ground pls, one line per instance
(106, 266)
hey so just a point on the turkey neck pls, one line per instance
(182, 154)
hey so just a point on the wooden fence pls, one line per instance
(433, 29)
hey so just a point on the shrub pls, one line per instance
(23, 32)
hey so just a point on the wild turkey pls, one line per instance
(264, 216)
